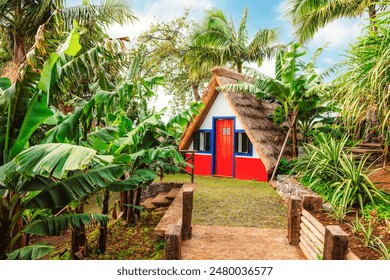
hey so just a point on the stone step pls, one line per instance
(172, 194)
(371, 145)
(160, 200)
(161, 210)
(366, 151)
(147, 203)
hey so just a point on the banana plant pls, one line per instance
(86, 151)
(66, 171)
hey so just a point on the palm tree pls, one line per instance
(216, 41)
(20, 19)
(363, 88)
(296, 85)
(308, 16)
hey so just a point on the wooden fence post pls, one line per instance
(172, 240)
(336, 243)
(294, 220)
(188, 199)
(312, 202)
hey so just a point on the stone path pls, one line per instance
(239, 243)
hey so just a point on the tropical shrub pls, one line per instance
(333, 171)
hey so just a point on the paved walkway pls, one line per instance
(239, 243)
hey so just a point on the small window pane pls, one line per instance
(207, 141)
(202, 141)
(196, 141)
(242, 143)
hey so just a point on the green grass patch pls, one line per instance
(236, 203)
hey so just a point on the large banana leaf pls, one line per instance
(54, 160)
(136, 180)
(31, 252)
(68, 129)
(8, 175)
(102, 139)
(132, 138)
(58, 225)
(50, 70)
(56, 194)
(37, 113)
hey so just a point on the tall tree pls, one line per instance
(159, 51)
(308, 16)
(216, 41)
(363, 87)
(20, 19)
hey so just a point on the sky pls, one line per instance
(261, 14)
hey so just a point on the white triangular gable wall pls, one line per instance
(221, 108)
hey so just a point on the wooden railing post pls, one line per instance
(294, 220)
(193, 167)
(172, 241)
(188, 201)
(336, 243)
(312, 202)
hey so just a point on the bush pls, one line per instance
(285, 167)
(333, 172)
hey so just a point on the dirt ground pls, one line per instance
(381, 178)
(355, 244)
(239, 243)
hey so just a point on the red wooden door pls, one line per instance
(224, 148)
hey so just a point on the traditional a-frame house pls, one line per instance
(234, 134)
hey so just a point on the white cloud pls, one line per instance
(160, 10)
(328, 60)
(279, 9)
(338, 33)
(267, 68)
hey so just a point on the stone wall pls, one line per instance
(155, 188)
(288, 186)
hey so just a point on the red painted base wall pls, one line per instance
(202, 164)
(245, 168)
(250, 169)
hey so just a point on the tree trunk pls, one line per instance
(19, 52)
(294, 140)
(4, 231)
(195, 90)
(21, 242)
(372, 15)
(372, 111)
(103, 228)
(239, 66)
(130, 208)
(123, 203)
(79, 241)
(137, 212)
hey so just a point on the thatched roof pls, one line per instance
(254, 115)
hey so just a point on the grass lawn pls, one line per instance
(237, 203)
